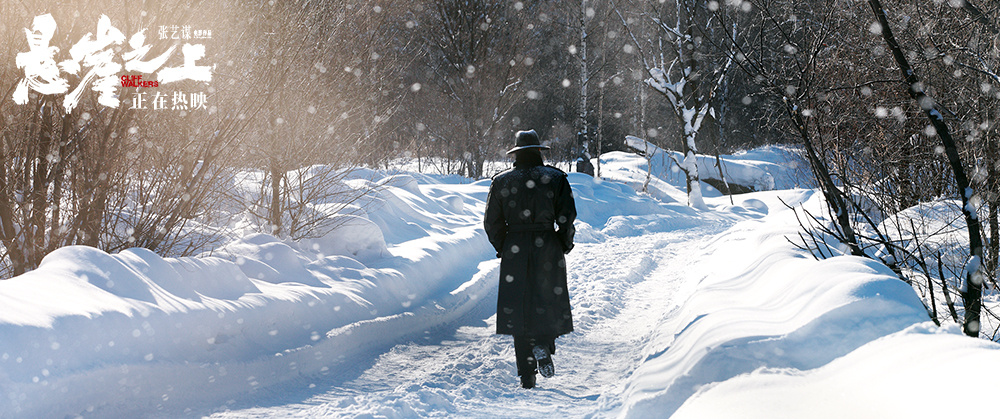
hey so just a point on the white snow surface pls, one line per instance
(678, 312)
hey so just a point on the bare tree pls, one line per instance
(326, 104)
(972, 294)
(685, 70)
(68, 170)
(473, 55)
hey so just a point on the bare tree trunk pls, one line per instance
(972, 293)
(35, 232)
(994, 245)
(600, 127)
(688, 115)
(833, 195)
(718, 149)
(57, 230)
(642, 133)
(722, 177)
(944, 289)
(92, 214)
(977, 14)
(274, 213)
(418, 142)
(993, 199)
(8, 231)
(582, 131)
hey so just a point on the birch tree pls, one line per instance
(583, 164)
(686, 72)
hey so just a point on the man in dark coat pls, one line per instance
(524, 206)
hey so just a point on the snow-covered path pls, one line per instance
(621, 289)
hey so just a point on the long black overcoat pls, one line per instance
(524, 205)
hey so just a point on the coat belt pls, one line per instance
(520, 228)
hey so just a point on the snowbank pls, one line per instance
(922, 371)
(77, 329)
(771, 332)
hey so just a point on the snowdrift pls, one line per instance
(770, 332)
(133, 332)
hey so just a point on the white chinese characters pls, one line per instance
(179, 101)
(94, 57)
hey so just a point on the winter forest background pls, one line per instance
(305, 92)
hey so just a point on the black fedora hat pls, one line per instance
(527, 139)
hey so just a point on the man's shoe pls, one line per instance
(528, 380)
(544, 360)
